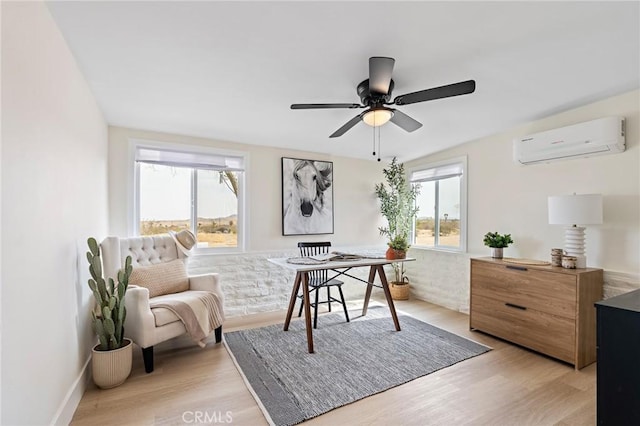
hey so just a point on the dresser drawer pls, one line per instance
(540, 331)
(542, 291)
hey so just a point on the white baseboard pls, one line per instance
(71, 400)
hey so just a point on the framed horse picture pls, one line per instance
(307, 197)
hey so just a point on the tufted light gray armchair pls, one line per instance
(144, 325)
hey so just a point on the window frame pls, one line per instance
(462, 160)
(134, 190)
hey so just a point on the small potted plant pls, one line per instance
(497, 243)
(399, 287)
(398, 247)
(111, 360)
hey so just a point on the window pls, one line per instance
(441, 219)
(199, 191)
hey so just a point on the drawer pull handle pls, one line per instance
(511, 305)
(517, 268)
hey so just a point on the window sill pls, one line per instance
(216, 251)
(440, 249)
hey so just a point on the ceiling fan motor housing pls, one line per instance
(370, 98)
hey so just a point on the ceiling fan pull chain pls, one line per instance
(374, 141)
(378, 143)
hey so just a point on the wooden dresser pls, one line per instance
(545, 308)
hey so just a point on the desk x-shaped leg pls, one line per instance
(302, 278)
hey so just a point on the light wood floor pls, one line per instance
(506, 386)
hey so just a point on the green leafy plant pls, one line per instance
(398, 272)
(108, 322)
(495, 240)
(397, 205)
(399, 243)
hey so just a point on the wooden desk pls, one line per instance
(376, 267)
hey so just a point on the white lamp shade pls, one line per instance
(580, 209)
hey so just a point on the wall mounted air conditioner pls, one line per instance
(596, 137)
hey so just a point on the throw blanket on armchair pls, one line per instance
(199, 311)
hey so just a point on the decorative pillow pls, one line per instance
(161, 278)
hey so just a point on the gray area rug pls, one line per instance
(352, 361)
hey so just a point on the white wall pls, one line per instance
(356, 215)
(509, 198)
(54, 195)
(250, 282)
(503, 196)
(53, 165)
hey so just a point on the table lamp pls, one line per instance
(573, 210)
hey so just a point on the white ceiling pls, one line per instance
(230, 70)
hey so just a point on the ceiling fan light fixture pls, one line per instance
(377, 116)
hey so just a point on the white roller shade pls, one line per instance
(193, 160)
(436, 173)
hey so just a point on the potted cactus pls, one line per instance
(111, 361)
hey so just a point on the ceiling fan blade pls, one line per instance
(342, 130)
(380, 70)
(455, 89)
(324, 106)
(405, 122)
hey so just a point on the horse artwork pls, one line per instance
(307, 197)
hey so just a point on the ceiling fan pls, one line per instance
(375, 94)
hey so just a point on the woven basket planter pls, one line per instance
(399, 291)
(111, 368)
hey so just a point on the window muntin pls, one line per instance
(201, 192)
(441, 219)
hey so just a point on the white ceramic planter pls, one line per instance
(496, 252)
(111, 368)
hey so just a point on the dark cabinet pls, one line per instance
(618, 347)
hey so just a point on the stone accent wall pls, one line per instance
(440, 277)
(617, 283)
(252, 284)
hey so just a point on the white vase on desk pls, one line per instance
(496, 252)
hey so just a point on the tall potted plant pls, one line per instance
(398, 205)
(111, 360)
